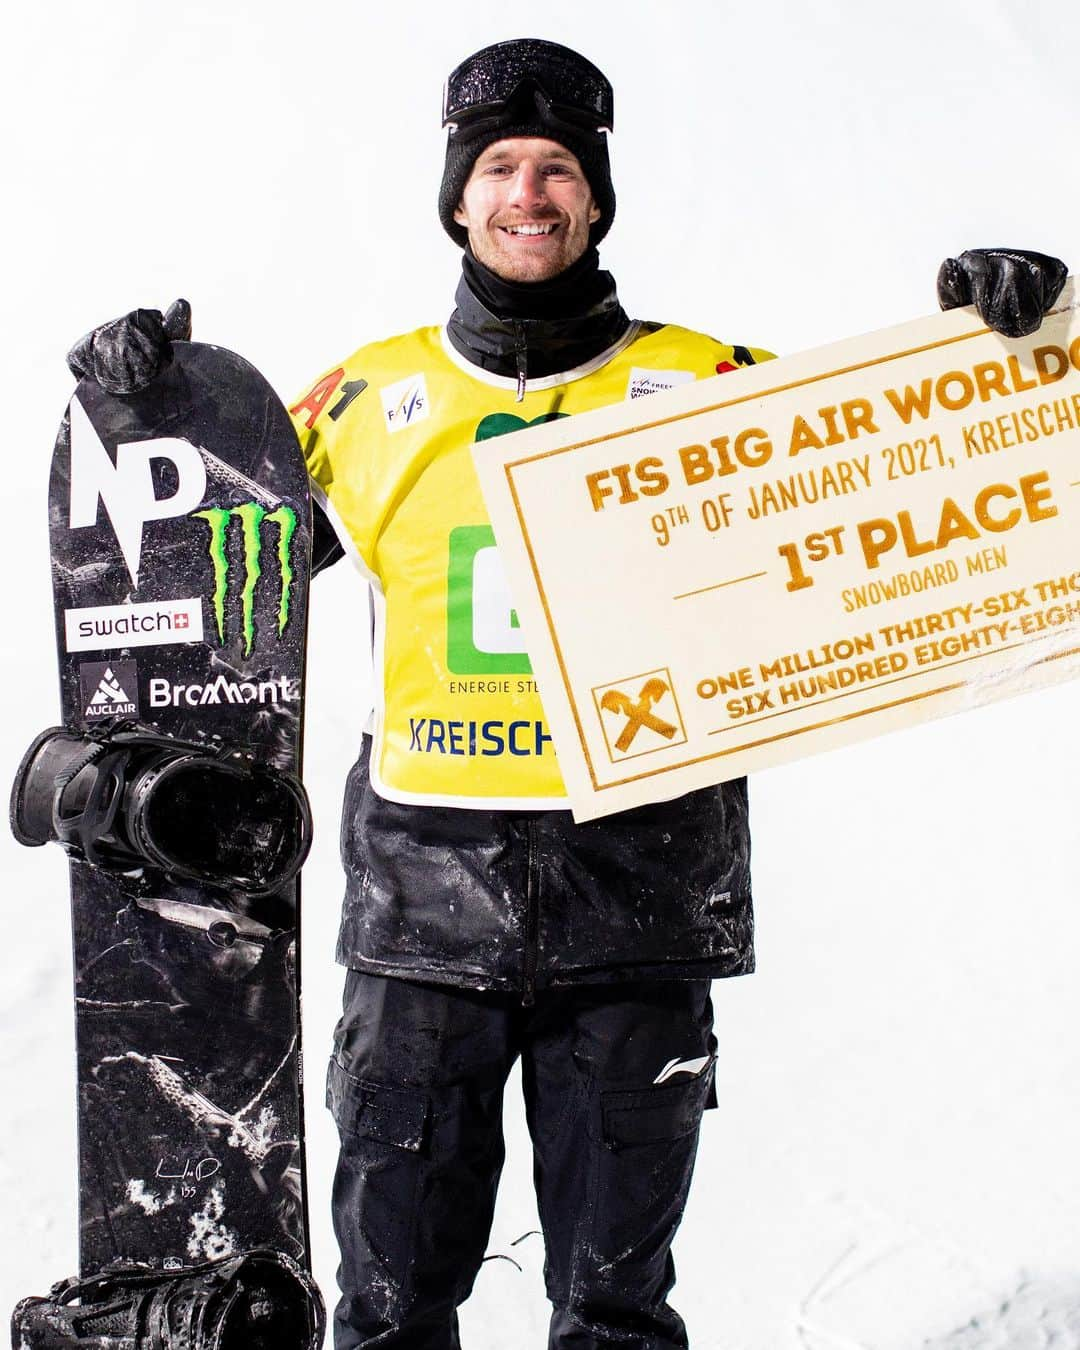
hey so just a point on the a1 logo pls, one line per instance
(482, 632)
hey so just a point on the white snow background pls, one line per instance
(894, 1163)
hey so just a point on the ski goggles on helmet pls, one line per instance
(488, 88)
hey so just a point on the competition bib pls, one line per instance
(389, 437)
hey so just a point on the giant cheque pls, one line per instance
(797, 555)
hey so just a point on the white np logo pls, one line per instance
(126, 488)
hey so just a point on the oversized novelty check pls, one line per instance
(797, 555)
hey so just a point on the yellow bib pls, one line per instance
(388, 435)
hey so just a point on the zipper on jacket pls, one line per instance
(521, 355)
(532, 916)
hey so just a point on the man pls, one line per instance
(480, 923)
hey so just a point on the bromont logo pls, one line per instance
(222, 691)
(251, 518)
(625, 714)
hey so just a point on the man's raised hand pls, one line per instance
(125, 355)
(1010, 287)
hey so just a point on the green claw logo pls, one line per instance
(251, 517)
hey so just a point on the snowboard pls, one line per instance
(179, 523)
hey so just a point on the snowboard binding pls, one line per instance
(260, 1300)
(122, 798)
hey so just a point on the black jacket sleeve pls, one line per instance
(325, 545)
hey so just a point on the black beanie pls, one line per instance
(589, 147)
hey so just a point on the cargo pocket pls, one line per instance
(382, 1133)
(645, 1158)
(392, 1115)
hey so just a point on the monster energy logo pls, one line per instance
(251, 517)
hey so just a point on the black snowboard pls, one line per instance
(179, 522)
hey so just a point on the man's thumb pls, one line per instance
(177, 321)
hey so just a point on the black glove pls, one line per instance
(125, 355)
(1010, 288)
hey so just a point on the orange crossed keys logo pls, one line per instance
(639, 714)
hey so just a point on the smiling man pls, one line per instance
(480, 924)
(527, 209)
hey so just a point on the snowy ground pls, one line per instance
(900, 1082)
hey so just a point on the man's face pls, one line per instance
(527, 208)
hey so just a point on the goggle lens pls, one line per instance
(486, 82)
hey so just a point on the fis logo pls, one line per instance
(405, 402)
(126, 488)
(250, 518)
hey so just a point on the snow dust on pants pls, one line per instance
(615, 1077)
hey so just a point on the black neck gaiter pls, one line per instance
(535, 329)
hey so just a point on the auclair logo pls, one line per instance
(644, 381)
(109, 689)
(154, 623)
(251, 517)
(223, 691)
(405, 403)
(126, 488)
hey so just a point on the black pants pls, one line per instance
(615, 1077)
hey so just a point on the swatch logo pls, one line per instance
(156, 623)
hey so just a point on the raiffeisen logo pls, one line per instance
(251, 519)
